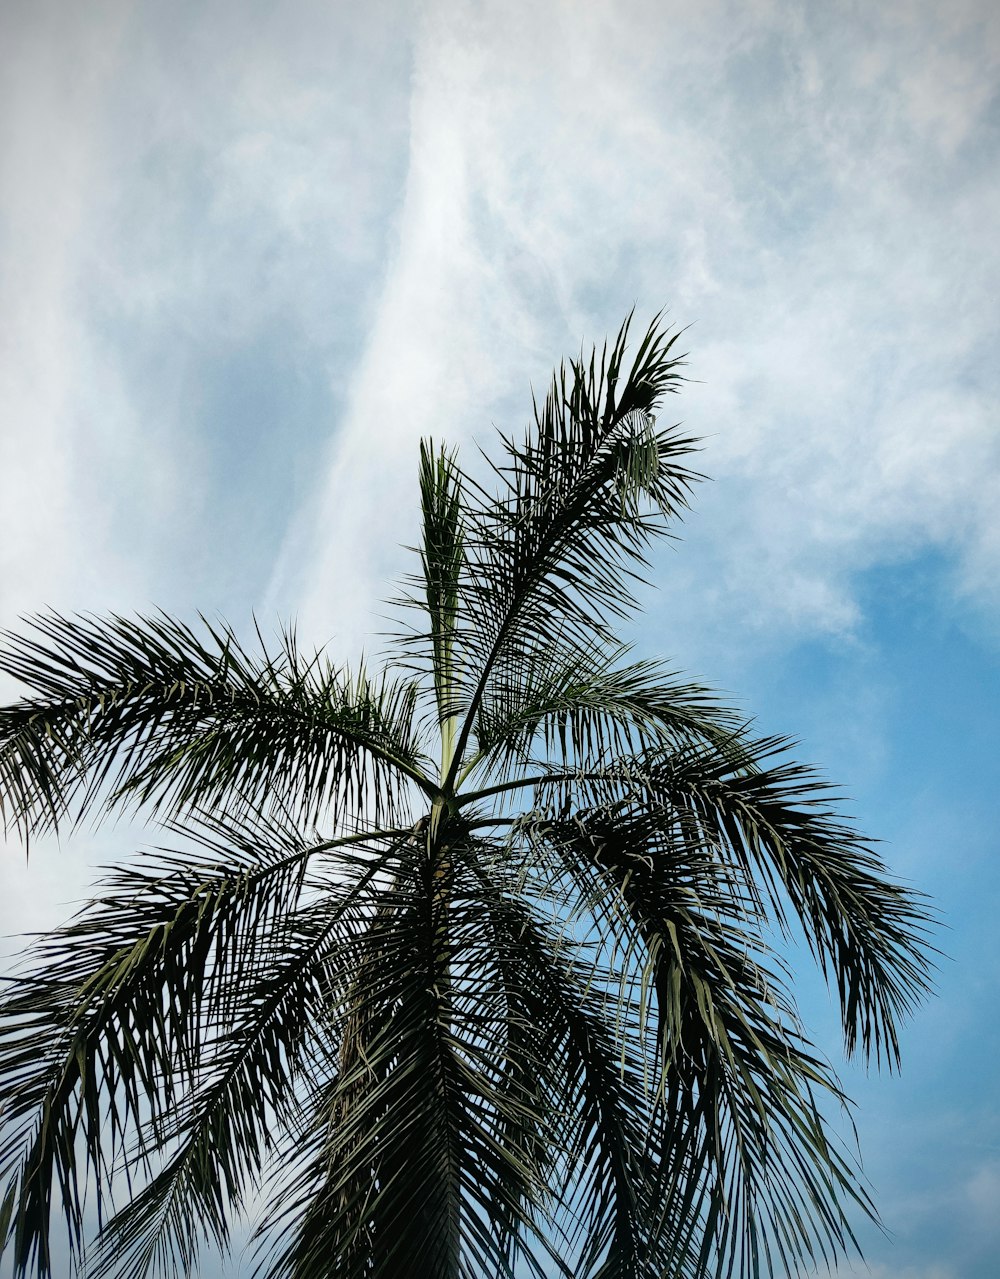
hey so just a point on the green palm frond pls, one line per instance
(578, 709)
(145, 1004)
(599, 1199)
(252, 1077)
(442, 561)
(773, 819)
(739, 1131)
(108, 1022)
(554, 552)
(146, 711)
(412, 1163)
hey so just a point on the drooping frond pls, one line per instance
(131, 1019)
(412, 1170)
(746, 1175)
(258, 1063)
(772, 820)
(115, 996)
(566, 1049)
(146, 711)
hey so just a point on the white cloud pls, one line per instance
(982, 1193)
(803, 186)
(785, 179)
(174, 191)
(252, 166)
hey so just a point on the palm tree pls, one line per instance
(468, 968)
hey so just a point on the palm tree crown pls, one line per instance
(466, 968)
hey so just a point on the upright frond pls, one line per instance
(551, 556)
(442, 560)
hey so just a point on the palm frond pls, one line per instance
(146, 711)
(114, 998)
(580, 709)
(747, 1176)
(592, 483)
(773, 820)
(432, 646)
(598, 1206)
(226, 1128)
(410, 1173)
(123, 1009)
(442, 557)
(774, 823)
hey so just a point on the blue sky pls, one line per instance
(250, 253)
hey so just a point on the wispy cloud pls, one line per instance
(789, 179)
(194, 216)
(878, 1271)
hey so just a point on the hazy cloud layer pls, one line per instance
(246, 250)
(194, 211)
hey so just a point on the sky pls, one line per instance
(251, 252)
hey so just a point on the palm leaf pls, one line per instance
(580, 709)
(410, 1173)
(133, 1001)
(442, 561)
(599, 1198)
(772, 819)
(550, 555)
(225, 1130)
(145, 711)
(740, 1134)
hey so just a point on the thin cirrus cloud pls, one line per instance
(815, 195)
(47, 163)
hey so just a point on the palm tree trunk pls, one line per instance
(374, 1247)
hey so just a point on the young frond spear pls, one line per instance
(466, 968)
